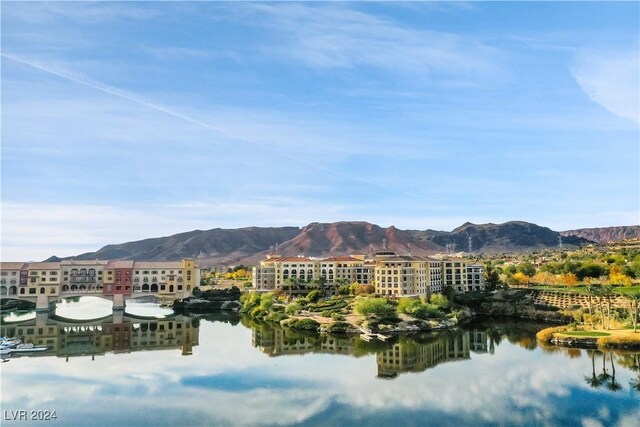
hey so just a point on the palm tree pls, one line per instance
(633, 298)
(613, 385)
(607, 292)
(591, 291)
(604, 376)
(593, 380)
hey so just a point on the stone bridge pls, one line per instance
(46, 302)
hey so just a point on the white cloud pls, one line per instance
(338, 36)
(612, 80)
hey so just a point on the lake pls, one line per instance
(147, 367)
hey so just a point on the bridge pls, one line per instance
(47, 303)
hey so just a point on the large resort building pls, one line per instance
(390, 274)
(170, 278)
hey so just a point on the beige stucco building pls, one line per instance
(391, 274)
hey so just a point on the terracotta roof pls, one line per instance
(341, 259)
(12, 265)
(120, 264)
(83, 262)
(157, 264)
(404, 258)
(44, 266)
(294, 259)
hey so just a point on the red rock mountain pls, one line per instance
(249, 245)
(605, 234)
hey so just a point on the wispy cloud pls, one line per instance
(612, 80)
(87, 13)
(337, 36)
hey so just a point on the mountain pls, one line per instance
(512, 236)
(605, 234)
(216, 245)
(249, 245)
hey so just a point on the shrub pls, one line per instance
(314, 296)
(440, 301)
(344, 290)
(338, 327)
(546, 335)
(293, 308)
(378, 307)
(305, 324)
(276, 316)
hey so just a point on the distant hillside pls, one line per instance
(217, 245)
(513, 236)
(605, 234)
(249, 245)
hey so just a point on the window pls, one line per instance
(32, 291)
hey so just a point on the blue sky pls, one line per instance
(122, 121)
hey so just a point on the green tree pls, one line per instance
(526, 268)
(378, 307)
(314, 296)
(491, 277)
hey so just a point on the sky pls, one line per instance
(126, 120)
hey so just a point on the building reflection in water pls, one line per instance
(413, 353)
(118, 333)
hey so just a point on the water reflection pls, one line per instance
(116, 333)
(490, 373)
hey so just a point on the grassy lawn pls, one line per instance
(626, 290)
(586, 334)
(582, 290)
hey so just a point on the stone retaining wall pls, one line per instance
(566, 300)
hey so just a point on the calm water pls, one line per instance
(143, 368)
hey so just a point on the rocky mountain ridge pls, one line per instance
(251, 244)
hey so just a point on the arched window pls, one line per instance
(3, 290)
(309, 272)
(136, 288)
(74, 272)
(74, 287)
(294, 272)
(154, 288)
(13, 290)
(82, 288)
(22, 291)
(42, 290)
(145, 288)
(171, 288)
(83, 271)
(285, 274)
(92, 272)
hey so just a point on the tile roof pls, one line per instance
(83, 262)
(341, 259)
(294, 259)
(44, 266)
(12, 265)
(120, 264)
(157, 264)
